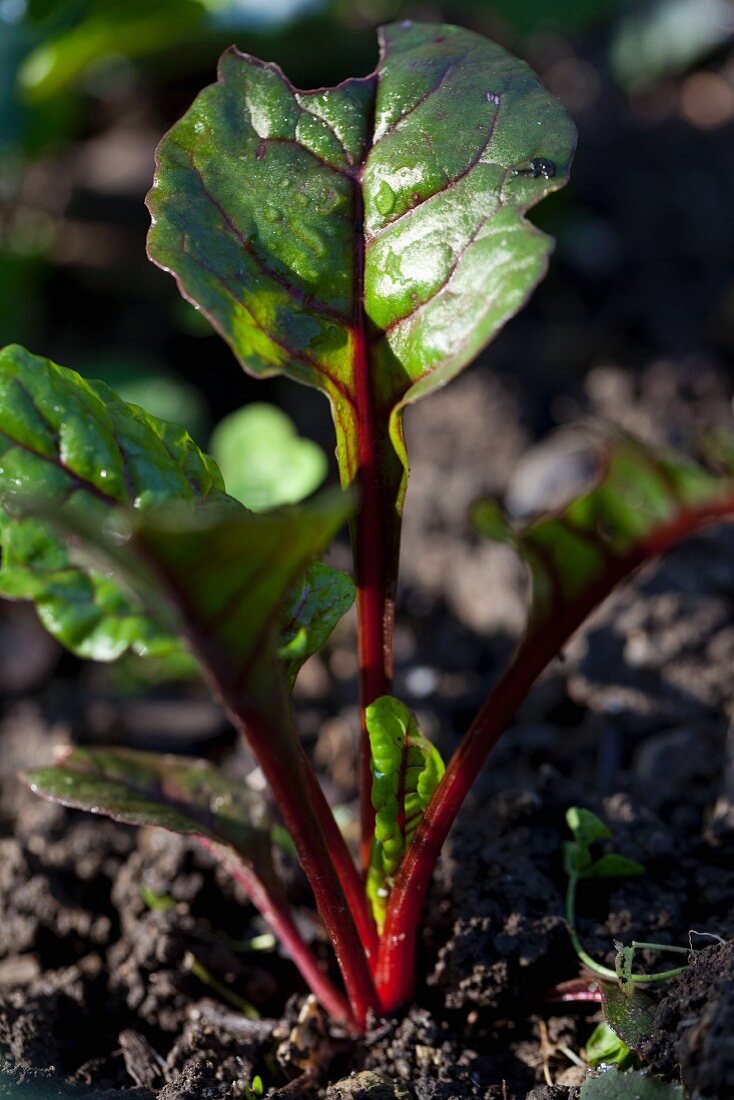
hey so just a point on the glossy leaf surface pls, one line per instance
(406, 770)
(263, 460)
(69, 445)
(312, 608)
(367, 239)
(182, 795)
(132, 489)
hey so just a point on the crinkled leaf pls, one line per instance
(367, 239)
(629, 1013)
(643, 503)
(312, 609)
(68, 444)
(629, 1085)
(264, 462)
(186, 796)
(171, 553)
(406, 769)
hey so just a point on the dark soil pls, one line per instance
(98, 997)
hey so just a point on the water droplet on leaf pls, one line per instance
(385, 198)
(538, 166)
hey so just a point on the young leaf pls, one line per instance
(613, 866)
(312, 608)
(629, 1013)
(263, 460)
(604, 1047)
(406, 770)
(367, 239)
(586, 826)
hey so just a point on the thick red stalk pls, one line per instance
(277, 914)
(373, 535)
(395, 972)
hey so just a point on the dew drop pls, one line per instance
(328, 201)
(271, 214)
(385, 198)
(537, 168)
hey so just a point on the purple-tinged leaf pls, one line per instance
(193, 798)
(643, 502)
(175, 793)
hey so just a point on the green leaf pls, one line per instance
(629, 1085)
(263, 460)
(629, 1013)
(586, 826)
(311, 610)
(142, 546)
(644, 502)
(406, 769)
(181, 795)
(576, 858)
(613, 866)
(604, 1047)
(232, 575)
(368, 239)
(69, 445)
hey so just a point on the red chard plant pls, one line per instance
(367, 240)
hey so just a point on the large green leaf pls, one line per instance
(81, 469)
(367, 239)
(69, 445)
(406, 769)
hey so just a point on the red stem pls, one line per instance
(373, 539)
(320, 848)
(276, 912)
(395, 971)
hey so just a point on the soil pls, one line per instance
(98, 996)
